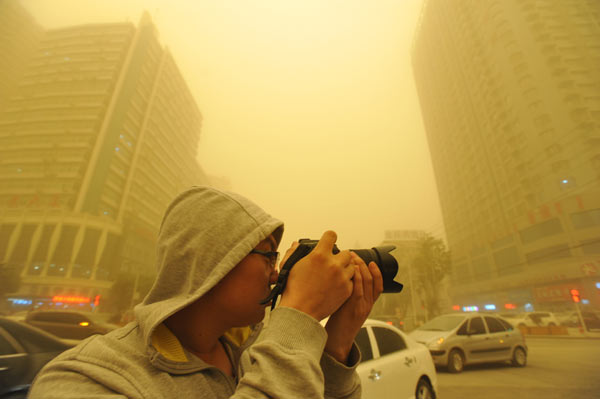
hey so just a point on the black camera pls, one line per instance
(386, 263)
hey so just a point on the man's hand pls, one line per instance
(344, 324)
(320, 282)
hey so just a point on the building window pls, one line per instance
(64, 249)
(6, 231)
(502, 242)
(81, 271)
(549, 254)
(541, 230)
(481, 268)
(108, 266)
(19, 254)
(57, 269)
(39, 257)
(587, 219)
(35, 269)
(591, 247)
(508, 261)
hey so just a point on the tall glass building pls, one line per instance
(510, 97)
(98, 134)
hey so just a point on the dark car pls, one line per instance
(24, 350)
(590, 318)
(69, 324)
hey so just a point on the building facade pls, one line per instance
(19, 34)
(510, 98)
(406, 304)
(99, 135)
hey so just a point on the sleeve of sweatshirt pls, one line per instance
(341, 380)
(66, 384)
(287, 361)
(67, 377)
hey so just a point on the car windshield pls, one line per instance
(443, 323)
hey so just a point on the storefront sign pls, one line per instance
(554, 293)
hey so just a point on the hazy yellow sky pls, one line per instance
(309, 106)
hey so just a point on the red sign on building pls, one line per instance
(553, 293)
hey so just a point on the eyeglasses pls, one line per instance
(273, 256)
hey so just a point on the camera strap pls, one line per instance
(298, 254)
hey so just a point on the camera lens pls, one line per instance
(388, 266)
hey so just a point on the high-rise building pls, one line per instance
(99, 135)
(19, 34)
(510, 97)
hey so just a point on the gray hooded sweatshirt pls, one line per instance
(204, 234)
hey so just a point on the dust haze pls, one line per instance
(309, 108)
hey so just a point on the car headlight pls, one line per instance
(436, 342)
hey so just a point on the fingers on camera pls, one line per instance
(327, 241)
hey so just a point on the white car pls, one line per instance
(393, 364)
(531, 319)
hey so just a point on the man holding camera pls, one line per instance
(198, 333)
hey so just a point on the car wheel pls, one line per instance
(456, 361)
(424, 390)
(519, 358)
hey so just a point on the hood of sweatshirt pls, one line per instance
(204, 234)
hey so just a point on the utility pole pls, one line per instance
(412, 296)
(576, 301)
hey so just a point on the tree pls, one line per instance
(396, 304)
(431, 265)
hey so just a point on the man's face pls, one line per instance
(241, 290)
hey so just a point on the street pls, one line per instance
(557, 368)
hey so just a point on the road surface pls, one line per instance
(558, 368)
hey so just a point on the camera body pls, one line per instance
(386, 263)
(388, 266)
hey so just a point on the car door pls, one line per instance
(397, 364)
(501, 340)
(14, 364)
(47, 321)
(368, 370)
(63, 324)
(477, 341)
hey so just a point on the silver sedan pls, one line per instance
(455, 340)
